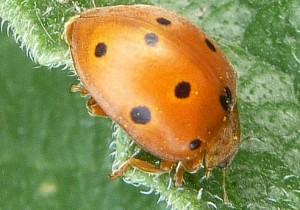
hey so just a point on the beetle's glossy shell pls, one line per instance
(160, 77)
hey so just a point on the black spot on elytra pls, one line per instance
(163, 21)
(182, 90)
(226, 99)
(151, 39)
(195, 144)
(140, 115)
(210, 45)
(100, 50)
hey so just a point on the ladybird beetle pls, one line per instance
(163, 80)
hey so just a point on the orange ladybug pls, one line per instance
(163, 80)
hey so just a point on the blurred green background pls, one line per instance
(53, 155)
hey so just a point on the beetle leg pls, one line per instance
(179, 180)
(166, 165)
(192, 166)
(141, 165)
(79, 88)
(94, 109)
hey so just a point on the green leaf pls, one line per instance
(262, 41)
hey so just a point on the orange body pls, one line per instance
(162, 79)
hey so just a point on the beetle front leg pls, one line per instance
(179, 173)
(93, 108)
(142, 165)
(79, 89)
